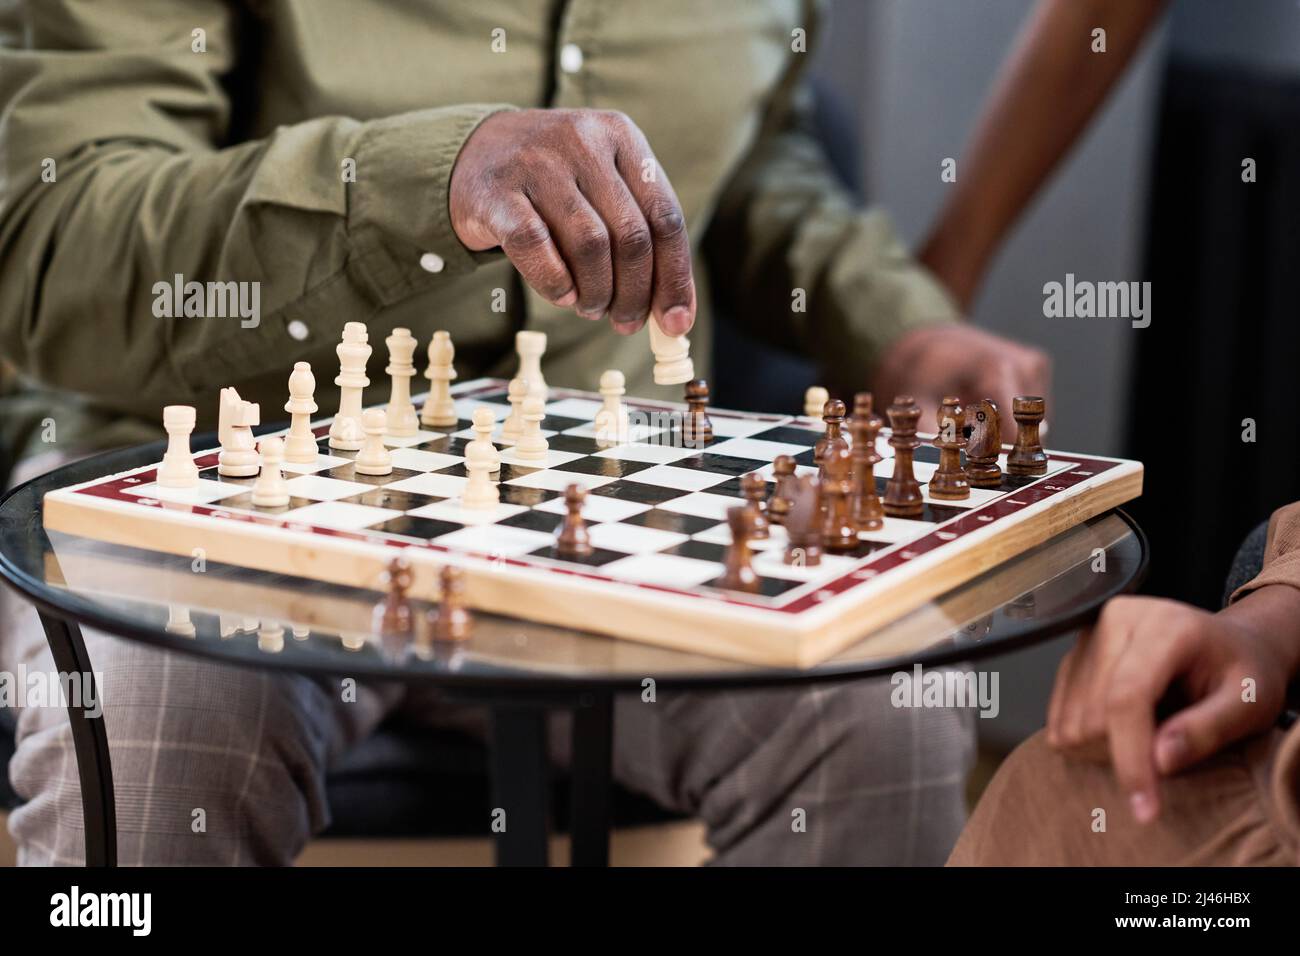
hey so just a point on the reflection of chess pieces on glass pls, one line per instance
(270, 637)
(301, 632)
(1023, 608)
(178, 621)
(451, 621)
(975, 631)
(300, 443)
(393, 618)
(354, 351)
(351, 641)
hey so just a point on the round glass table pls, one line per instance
(519, 670)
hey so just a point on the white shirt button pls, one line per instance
(298, 330)
(431, 262)
(570, 58)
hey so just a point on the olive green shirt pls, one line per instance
(307, 146)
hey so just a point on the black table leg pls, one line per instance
(90, 741)
(593, 751)
(520, 781)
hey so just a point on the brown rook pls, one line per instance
(903, 492)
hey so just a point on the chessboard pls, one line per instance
(656, 511)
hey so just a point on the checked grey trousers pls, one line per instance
(831, 774)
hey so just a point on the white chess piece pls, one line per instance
(673, 365)
(179, 621)
(484, 421)
(814, 401)
(235, 421)
(374, 458)
(178, 469)
(480, 493)
(530, 346)
(402, 420)
(532, 445)
(270, 490)
(439, 409)
(300, 443)
(353, 352)
(611, 421)
(513, 426)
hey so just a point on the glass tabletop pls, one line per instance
(258, 619)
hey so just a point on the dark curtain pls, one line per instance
(1223, 257)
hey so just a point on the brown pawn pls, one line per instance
(984, 445)
(697, 430)
(1027, 457)
(754, 487)
(778, 506)
(739, 574)
(838, 531)
(903, 492)
(394, 612)
(803, 523)
(572, 540)
(451, 621)
(949, 482)
(833, 416)
(867, 513)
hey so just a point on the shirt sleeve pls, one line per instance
(115, 177)
(800, 264)
(1281, 553)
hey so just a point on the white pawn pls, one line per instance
(402, 420)
(270, 490)
(374, 458)
(300, 443)
(484, 421)
(814, 402)
(439, 410)
(513, 426)
(532, 446)
(530, 346)
(178, 469)
(611, 421)
(480, 493)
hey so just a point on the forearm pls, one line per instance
(1048, 90)
(82, 255)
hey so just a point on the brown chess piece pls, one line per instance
(451, 620)
(803, 522)
(984, 444)
(573, 540)
(778, 506)
(903, 492)
(739, 574)
(833, 416)
(754, 487)
(839, 534)
(393, 615)
(1027, 456)
(867, 513)
(949, 482)
(697, 430)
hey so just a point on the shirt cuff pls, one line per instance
(1281, 553)
(398, 218)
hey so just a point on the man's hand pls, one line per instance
(1109, 685)
(940, 360)
(581, 206)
